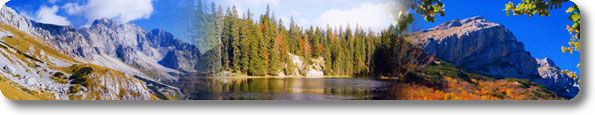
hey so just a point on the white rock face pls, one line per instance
(487, 48)
(31, 81)
(302, 69)
(555, 80)
(154, 51)
(314, 73)
(5, 34)
(8, 69)
(316, 69)
(10, 17)
(126, 48)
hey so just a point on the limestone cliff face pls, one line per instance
(486, 48)
(301, 68)
(45, 73)
(555, 79)
(124, 48)
(155, 51)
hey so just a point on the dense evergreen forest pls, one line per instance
(260, 46)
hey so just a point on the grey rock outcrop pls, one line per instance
(149, 51)
(139, 52)
(487, 48)
(555, 80)
(123, 47)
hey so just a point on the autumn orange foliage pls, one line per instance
(279, 40)
(302, 44)
(457, 89)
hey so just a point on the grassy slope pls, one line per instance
(28, 50)
(446, 82)
(13, 93)
(23, 42)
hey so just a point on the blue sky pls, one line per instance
(148, 14)
(542, 36)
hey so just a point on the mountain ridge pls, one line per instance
(126, 42)
(491, 49)
(105, 44)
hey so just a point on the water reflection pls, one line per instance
(292, 89)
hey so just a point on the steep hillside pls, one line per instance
(487, 48)
(32, 70)
(154, 54)
(444, 81)
(125, 48)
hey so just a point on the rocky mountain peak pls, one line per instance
(458, 28)
(491, 49)
(105, 21)
(474, 22)
(54, 29)
(7, 11)
(11, 17)
(474, 19)
(125, 47)
(546, 62)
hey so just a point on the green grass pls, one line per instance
(447, 69)
(525, 82)
(528, 83)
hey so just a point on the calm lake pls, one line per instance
(294, 89)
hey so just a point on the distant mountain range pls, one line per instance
(148, 58)
(131, 63)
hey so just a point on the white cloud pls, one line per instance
(48, 15)
(367, 15)
(122, 11)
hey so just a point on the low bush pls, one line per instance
(58, 74)
(79, 78)
(60, 77)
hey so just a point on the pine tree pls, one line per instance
(219, 16)
(262, 47)
(235, 24)
(244, 44)
(327, 55)
(283, 49)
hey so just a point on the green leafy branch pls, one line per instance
(542, 8)
(426, 8)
